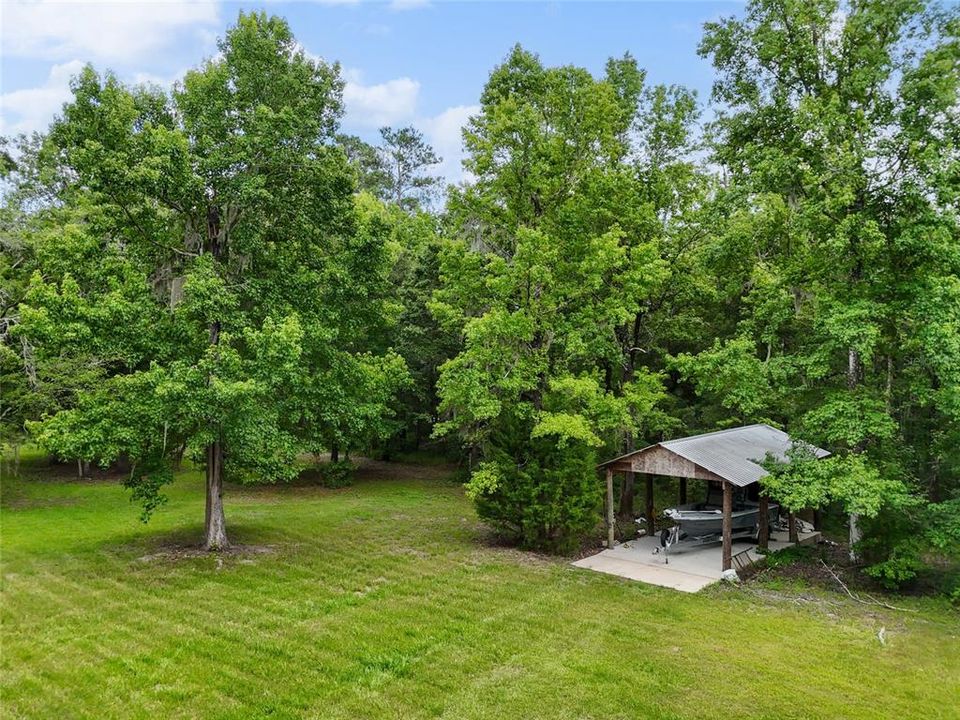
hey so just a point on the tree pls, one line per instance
(396, 171)
(30, 383)
(838, 129)
(243, 279)
(405, 157)
(368, 163)
(555, 252)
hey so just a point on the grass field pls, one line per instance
(385, 600)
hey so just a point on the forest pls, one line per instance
(216, 274)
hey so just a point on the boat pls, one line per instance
(700, 520)
(702, 523)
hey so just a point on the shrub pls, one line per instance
(905, 543)
(335, 475)
(547, 501)
(791, 555)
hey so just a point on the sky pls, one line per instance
(405, 62)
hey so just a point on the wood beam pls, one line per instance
(610, 523)
(660, 461)
(727, 525)
(683, 491)
(764, 523)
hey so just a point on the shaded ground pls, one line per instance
(384, 599)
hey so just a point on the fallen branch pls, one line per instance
(871, 601)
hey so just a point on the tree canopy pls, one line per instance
(217, 272)
(216, 267)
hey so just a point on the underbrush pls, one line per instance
(828, 566)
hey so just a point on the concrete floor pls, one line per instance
(690, 568)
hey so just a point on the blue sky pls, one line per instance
(405, 61)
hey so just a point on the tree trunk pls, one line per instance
(335, 453)
(763, 531)
(853, 378)
(855, 535)
(683, 491)
(610, 518)
(648, 509)
(178, 456)
(216, 523)
(792, 525)
(626, 496)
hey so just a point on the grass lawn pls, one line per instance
(384, 600)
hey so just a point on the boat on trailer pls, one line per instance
(702, 523)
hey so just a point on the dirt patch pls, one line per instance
(368, 469)
(49, 470)
(496, 546)
(186, 552)
(25, 503)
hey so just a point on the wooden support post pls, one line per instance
(764, 523)
(683, 491)
(727, 525)
(792, 524)
(649, 504)
(610, 519)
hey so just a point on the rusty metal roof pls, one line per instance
(734, 454)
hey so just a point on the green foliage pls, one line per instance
(900, 544)
(732, 375)
(209, 257)
(839, 138)
(555, 258)
(406, 158)
(848, 480)
(216, 269)
(550, 502)
(396, 171)
(790, 555)
(415, 245)
(335, 475)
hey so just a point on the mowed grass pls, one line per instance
(386, 600)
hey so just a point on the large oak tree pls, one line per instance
(223, 271)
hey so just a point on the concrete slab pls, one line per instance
(688, 568)
(661, 575)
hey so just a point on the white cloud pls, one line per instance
(23, 111)
(118, 31)
(445, 133)
(408, 4)
(388, 103)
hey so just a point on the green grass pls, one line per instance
(384, 600)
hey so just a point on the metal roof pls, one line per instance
(734, 454)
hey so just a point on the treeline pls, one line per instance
(218, 272)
